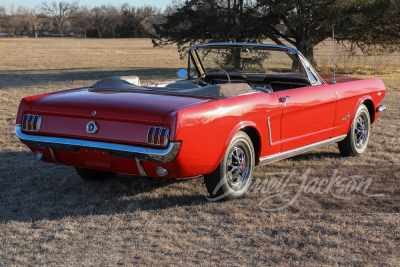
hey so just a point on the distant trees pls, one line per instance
(35, 20)
(99, 21)
(135, 16)
(303, 24)
(115, 18)
(12, 20)
(82, 19)
(60, 13)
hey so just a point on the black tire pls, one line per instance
(233, 175)
(94, 175)
(356, 141)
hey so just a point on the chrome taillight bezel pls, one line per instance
(31, 123)
(157, 136)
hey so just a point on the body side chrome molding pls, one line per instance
(116, 150)
(269, 132)
(296, 151)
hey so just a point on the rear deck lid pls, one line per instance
(113, 105)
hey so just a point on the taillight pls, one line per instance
(157, 136)
(31, 123)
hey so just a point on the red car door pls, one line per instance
(308, 115)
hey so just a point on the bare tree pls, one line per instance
(114, 17)
(134, 16)
(35, 21)
(60, 13)
(82, 19)
(2, 17)
(149, 22)
(100, 19)
(12, 20)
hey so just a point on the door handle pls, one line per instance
(283, 99)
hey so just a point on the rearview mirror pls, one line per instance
(181, 73)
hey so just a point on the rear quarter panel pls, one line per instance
(206, 130)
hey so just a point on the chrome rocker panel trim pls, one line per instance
(116, 150)
(296, 151)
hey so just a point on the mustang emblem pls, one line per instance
(347, 117)
(92, 127)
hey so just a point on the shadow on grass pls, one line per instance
(17, 78)
(313, 156)
(31, 191)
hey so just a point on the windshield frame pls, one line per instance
(312, 75)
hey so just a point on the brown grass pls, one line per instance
(48, 215)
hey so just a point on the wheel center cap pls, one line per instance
(241, 166)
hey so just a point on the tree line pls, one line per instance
(370, 25)
(64, 18)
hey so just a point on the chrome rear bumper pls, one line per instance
(381, 108)
(116, 150)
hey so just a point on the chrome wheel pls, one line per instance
(232, 178)
(356, 141)
(237, 166)
(361, 131)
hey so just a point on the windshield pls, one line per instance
(249, 60)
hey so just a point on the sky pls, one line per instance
(91, 3)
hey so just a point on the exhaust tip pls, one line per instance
(161, 171)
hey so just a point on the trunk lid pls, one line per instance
(122, 116)
(113, 105)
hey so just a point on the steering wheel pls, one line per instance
(200, 79)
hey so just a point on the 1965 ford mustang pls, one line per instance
(237, 106)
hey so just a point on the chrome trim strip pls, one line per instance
(270, 46)
(307, 64)
(39, 124)
(296, 151)
(140, 168)
(159, 136)
(381, 108)
(269, 132)
(116, 150)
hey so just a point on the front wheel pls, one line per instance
(94, 175)
(357, 138)
(233, 175)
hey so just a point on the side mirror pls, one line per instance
(181, 73)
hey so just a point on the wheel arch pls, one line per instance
(251, 129)
(255, 139)
(368, 102)
(371, 108)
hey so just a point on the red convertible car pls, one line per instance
(237, 106)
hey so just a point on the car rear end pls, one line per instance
(113, 131)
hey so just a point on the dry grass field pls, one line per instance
(49, 216)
